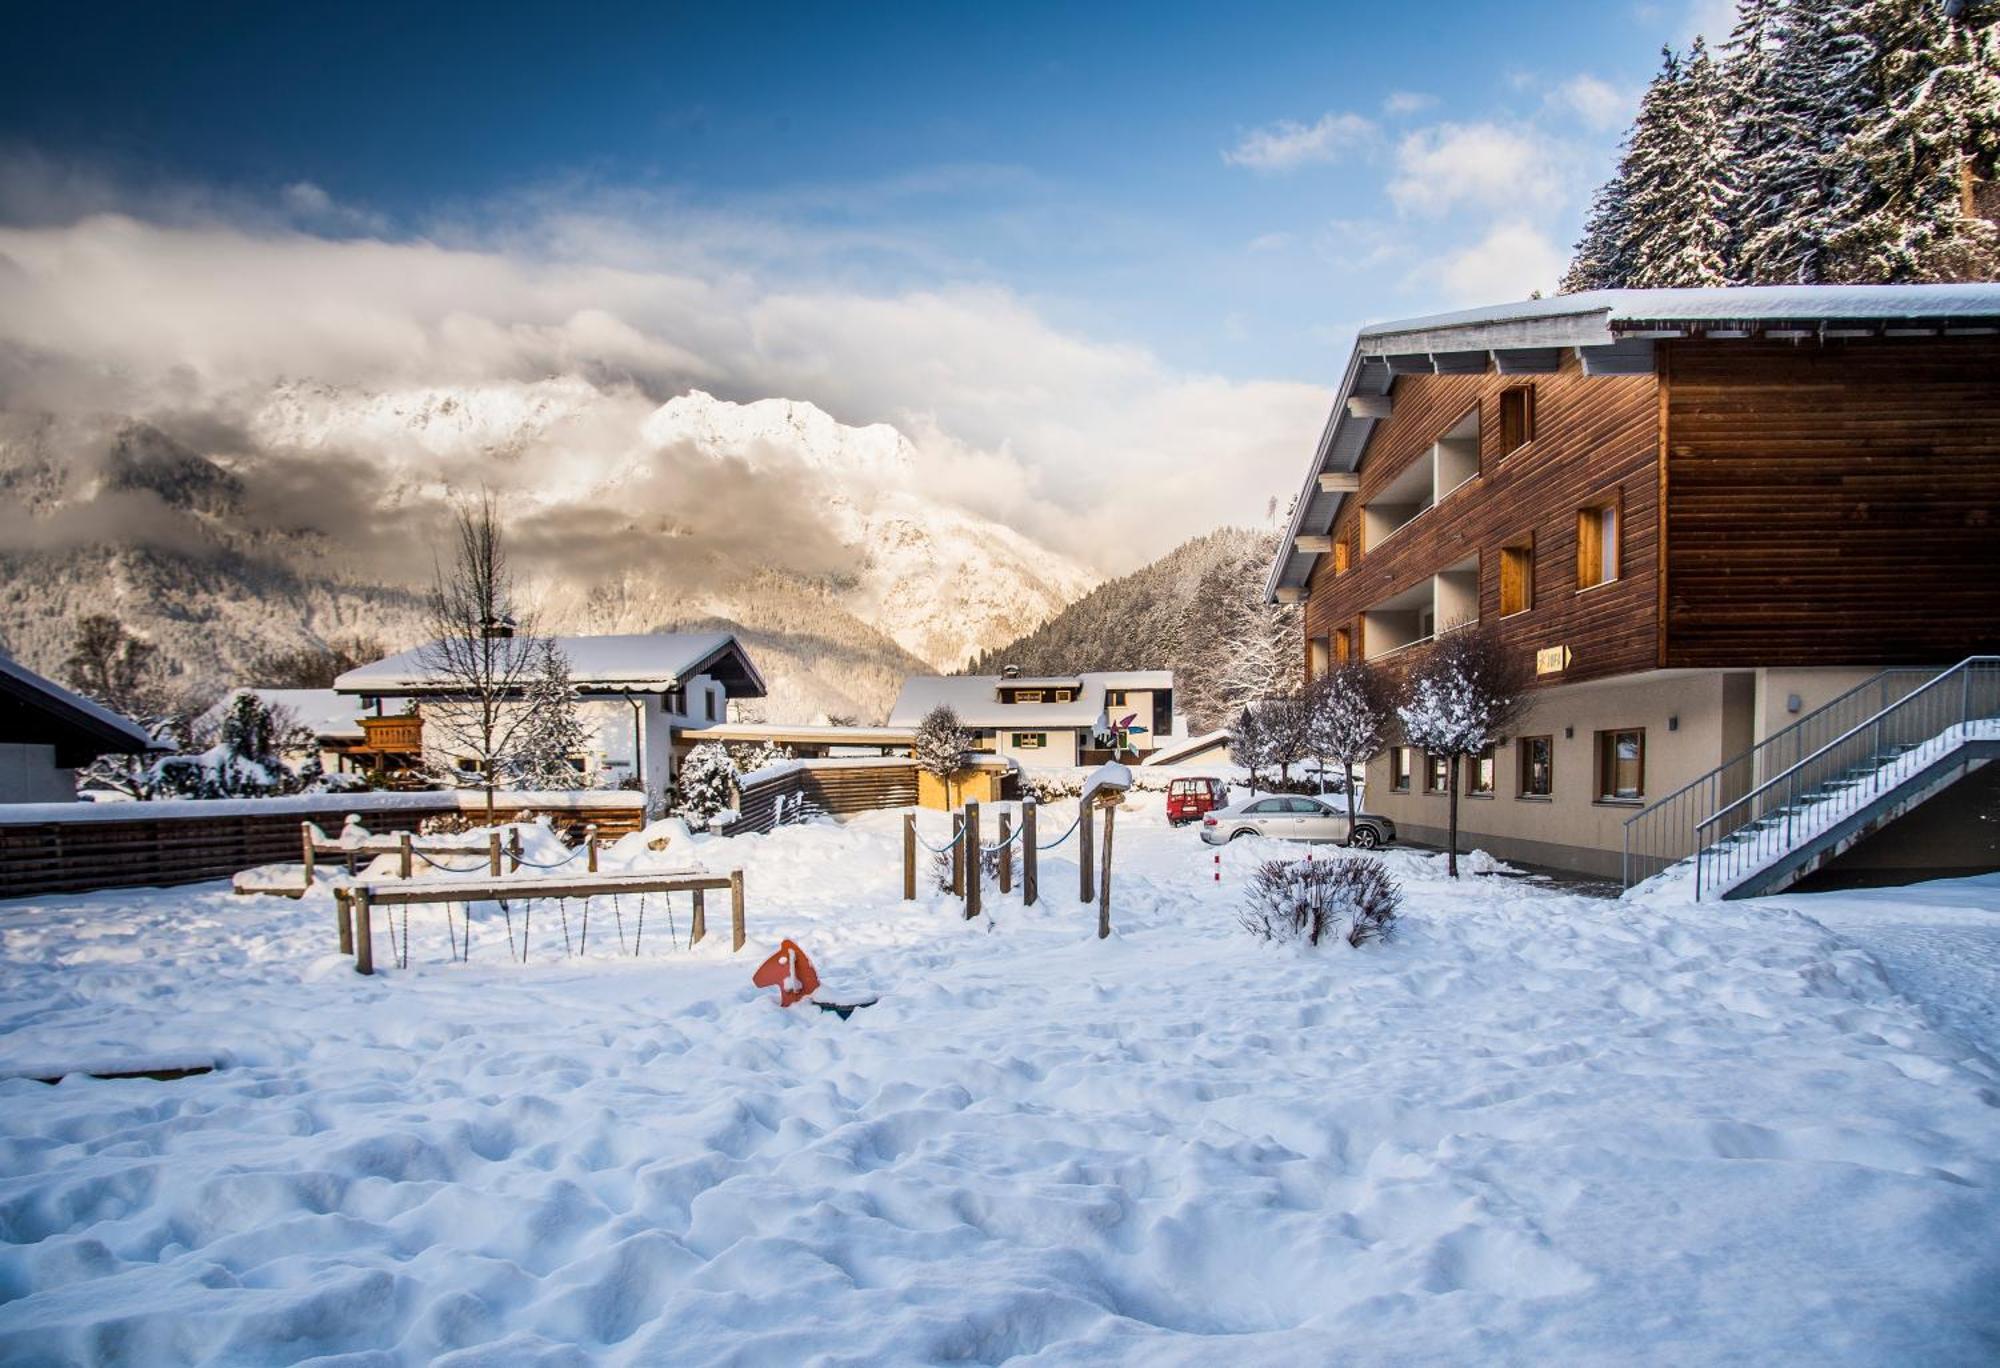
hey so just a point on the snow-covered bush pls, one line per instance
(751, 756)
(246, 760)
(706, 783)
(1311, 900)
(1465, 691)
(989, 868)
(940, 746)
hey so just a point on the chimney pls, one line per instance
(1010, 671)
(497, 628)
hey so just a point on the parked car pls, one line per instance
(1290, 817)
(1189, 800)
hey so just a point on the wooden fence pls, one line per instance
(809, 788)
(77, 847)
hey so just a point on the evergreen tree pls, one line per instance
(705, 784)
(1608, 255)
(1682, 189)
(1933, 119)
(551, 734)
(1799, 185)
(1747, 73)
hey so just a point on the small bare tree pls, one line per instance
(1351, 708)
(1460, 698)
(483, 653)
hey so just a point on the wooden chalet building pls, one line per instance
(1698, 515)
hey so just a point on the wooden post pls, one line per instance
(1086, 849)
(909, 857)
(364, 931)
(1006, 854)
(514, 849)
(957, 855)
(699, 931)
(972, 860)
(736, 936)
(590, 843)
(403, 852)
(1030, 857)
(342, 920)
(493, 853)
(1104, 880)
(306, 840)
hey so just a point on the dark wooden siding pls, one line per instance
(1594, 437)
(1832, 503)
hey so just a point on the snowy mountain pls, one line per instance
(309, 509)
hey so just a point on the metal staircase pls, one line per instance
(1756, 822)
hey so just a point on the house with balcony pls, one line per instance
(1054, 721)
(1707, 522)
(643, 701)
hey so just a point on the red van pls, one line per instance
(1189, 800)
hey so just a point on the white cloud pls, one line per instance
(1407, 102)
(1015, 417)
(1511, 261)
(1481, 164)
(1287, 145)
(1598, 103)
(1271, 242)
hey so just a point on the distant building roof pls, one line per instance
(807, 734)
(1194, 748)
(641, 663)
(38, 712)
(976, 698)
(1613, 332)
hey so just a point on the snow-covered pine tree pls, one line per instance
(705, 784)
(1607, 257)
(1798, 187)
(1682, 191)
(1749, 109)
(1461, 696)
(1260, 655)
(552, 733)
(1933, 120)
(1350, 707)
(940, 747)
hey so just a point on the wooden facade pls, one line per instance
(1823, 502)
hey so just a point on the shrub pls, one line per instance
(989, 868)
(1354, 899)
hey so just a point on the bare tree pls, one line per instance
(483, 652)
(1351, 707)
(1461, 696)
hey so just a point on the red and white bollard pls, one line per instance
(1218, 866)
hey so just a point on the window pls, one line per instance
(1479, 775)
(1114, 698)
(1340, 557)
(1517, 418)
(1031, 740)
(1517, 578)
(1027, 695)
(1538, 766)
(1399, 769)
(1343, 645)
(708, 704)
(1065, 695)
(1269, 807)
(1621, 766)
(1597, 545)
(1437, 773)
(1304, 807)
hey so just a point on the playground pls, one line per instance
(1531, 1127)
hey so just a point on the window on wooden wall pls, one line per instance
(1621, 765)
(1340, 557)
(1598, 529)
(1065, 695)
(1343, 645)
(1537, 758)
(1517, 577)
(1517, 418)
(1319, 655)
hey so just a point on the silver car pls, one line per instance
(1291, 817)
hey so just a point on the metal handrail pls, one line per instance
(1848, 735)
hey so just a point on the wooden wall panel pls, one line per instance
(1832, 503)
(1595, 437)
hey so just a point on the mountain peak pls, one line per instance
(801, 430)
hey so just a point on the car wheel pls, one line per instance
(1365, 838)
(1239, 833)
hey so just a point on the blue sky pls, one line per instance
(1215, 196)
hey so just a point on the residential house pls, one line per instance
(643, 699)
(1697, 516)
(48, 733)
(1049, 722)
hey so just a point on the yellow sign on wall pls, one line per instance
(1552, 660)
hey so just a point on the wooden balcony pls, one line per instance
(399, 735)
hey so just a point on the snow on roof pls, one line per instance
(818, 731)
(976, 698)
(1184, 750)
(647, 662)
(327, 714)
(106, 729)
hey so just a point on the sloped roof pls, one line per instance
(326, 713)
(641, 662)
(1194, 746)
(976, 698)
(37, 711)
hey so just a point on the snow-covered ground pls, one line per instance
(1535, 1127)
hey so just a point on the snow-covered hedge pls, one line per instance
(1353, 900)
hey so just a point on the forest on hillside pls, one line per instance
(1830, 142)
(1199, 611)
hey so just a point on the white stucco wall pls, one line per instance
(29, 774)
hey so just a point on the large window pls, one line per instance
(1517, 577)
(1621, 766)
(1437, 773)
(1399, 769)
(1517, 418)
(1479, 775)
(1538, 766)
(1597, 544)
